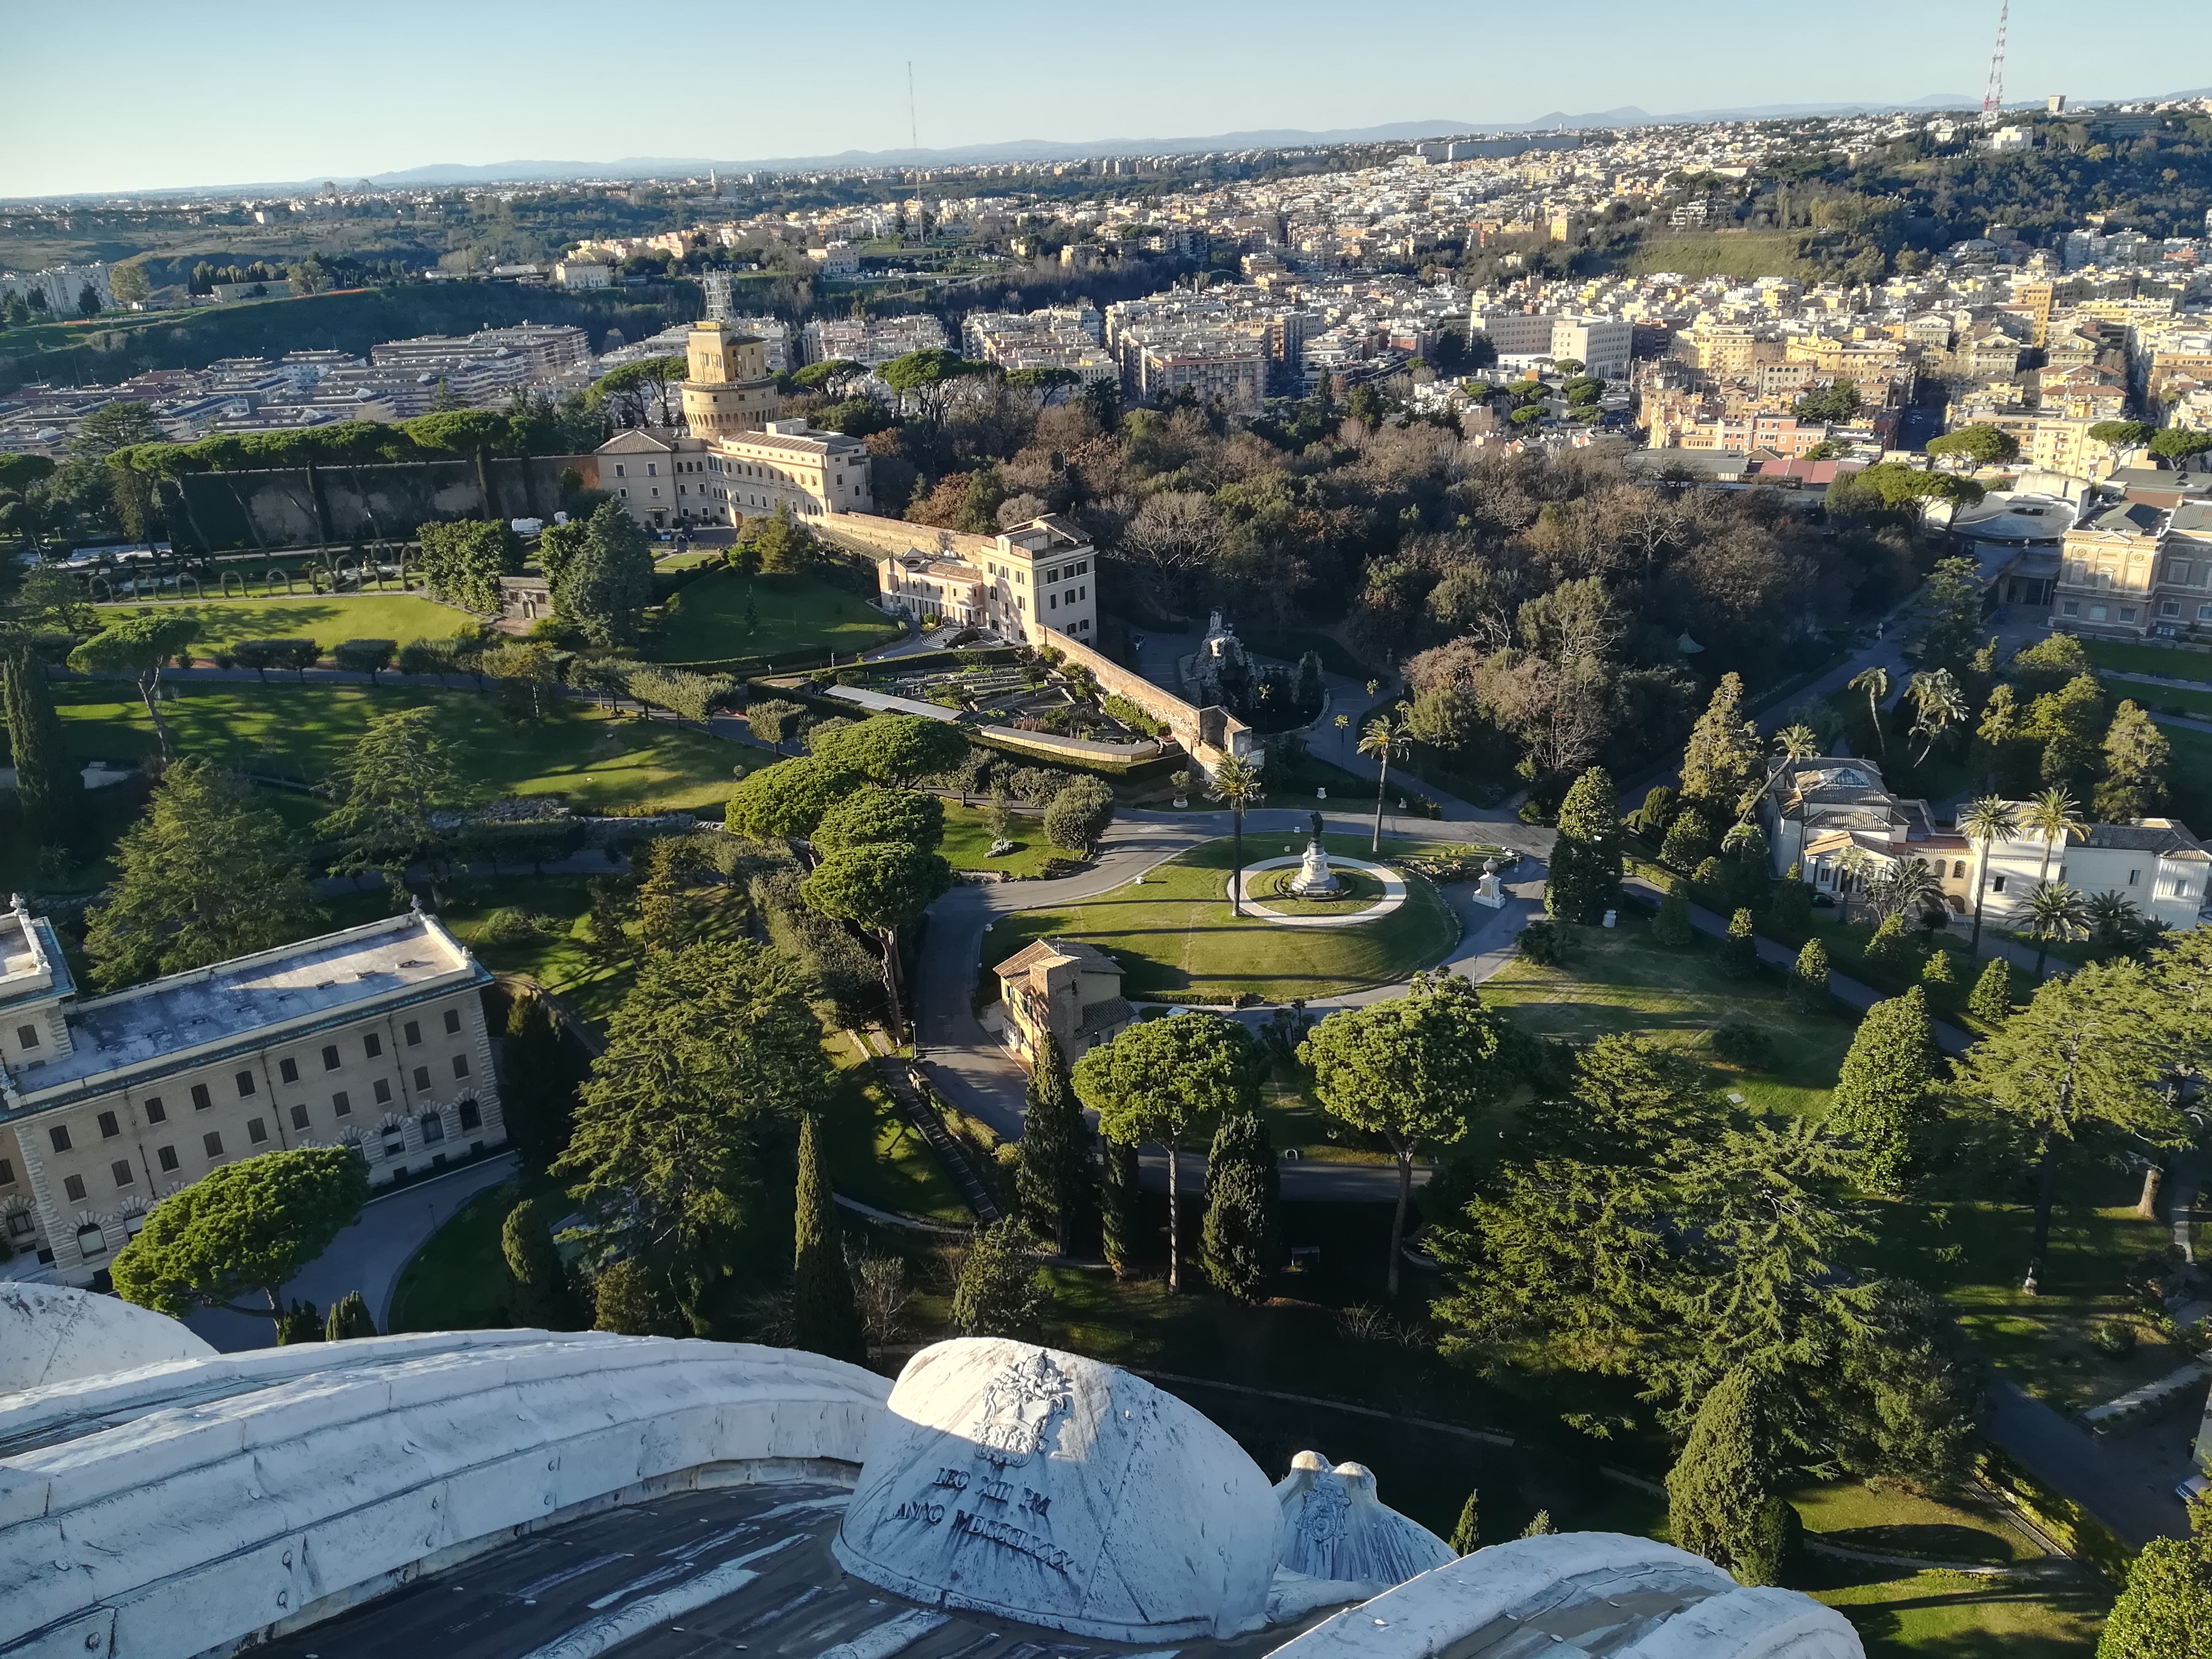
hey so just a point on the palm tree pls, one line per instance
(1855, 861)
(1799, 742)
(2049, 816)
(2114, 919)
(1936, 701)
(1984, 823)
(1875, 682)
(1383, 737)
(1237, 783)
(1907, 889)
(2055, 911)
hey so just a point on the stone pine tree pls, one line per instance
(1238, 1240)
(1882, 1090)
(543, 1300)
(2165, 1611)
(1053, 1171)
(1720, 1500)
(49, 783)
(1121, 1205)
(1466, 1531)
(825, 1314)
(1586, 859)
(350, 1317)
(1990, 1001)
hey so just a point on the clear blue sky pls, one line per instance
(122, 95)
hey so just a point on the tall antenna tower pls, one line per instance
(913, 138)
(1993, 97)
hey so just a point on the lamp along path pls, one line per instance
(1394, 894)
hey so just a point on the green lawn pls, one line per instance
(1172, 933)
(2160, 660)
(876, 1156)
(967, 843)
(1356, 890)
(1948, 1615)
(705, 621)
(1622, 979)
(458, 1281)
(597, 763)
(325, 619)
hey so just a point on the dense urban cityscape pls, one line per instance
(1357, 891)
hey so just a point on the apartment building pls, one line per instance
(2134, 569)
(374, 1038)
(541, 350)
(1602, 345)
(1028, 583)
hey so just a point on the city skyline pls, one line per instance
(457, 105)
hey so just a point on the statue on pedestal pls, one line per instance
(1486, 891)
(1314, 879)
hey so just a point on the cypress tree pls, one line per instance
(825, 1313)
(1936, 970)
(49, 784)
(348, 1319)
(1467, 1532)
(539, 1101)
(1740, 955)
(1122, 1204)
(1889, 948)
(1722, 762)
(1883, 1086)
(303, 1324)
(1809, 983)
(1053, 1168)
(1586, 858)
(1671, 927)
(628, 1300)
(1540, 1525)
(1990, 1001)
(1238, 1238)
(542, 1298)
(1791, 903)
(1689, 841)
(1720, 1504)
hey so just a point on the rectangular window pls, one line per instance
(452, 1022)
(2073, 608)
(255, 1130)
(299, 1117)
(109, 1128)
(59, 1136)
(73, 1187)
(341, 1105)
(2134, 877)
(122, 1172)
(618, 470)
(213, 1144)
(245, 1084)
(2098, 613)
(422, 1077)
(8, 1172)
(166, 1158)
(2169, 607)
(28, 1035)
(383, 1091)
(472, 1115)
(201, 1099)
(288, 1070)
(412, 1031)
(1997, 884)
(2127, 613)
(460, 1065)
(331, 1058)
(371, 1045)
(156, 1112)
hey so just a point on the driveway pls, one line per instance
(367, 1256)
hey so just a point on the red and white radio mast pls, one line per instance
(1993, 97)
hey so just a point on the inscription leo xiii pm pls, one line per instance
(1015, 1418)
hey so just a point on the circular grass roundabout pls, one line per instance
(1175, 939)
(1366, 892)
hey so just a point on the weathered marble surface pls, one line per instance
(1044, 1486)
(1334, 1526)
(55, 1334)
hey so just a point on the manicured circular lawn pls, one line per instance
(1175, 938)
(1356, 890)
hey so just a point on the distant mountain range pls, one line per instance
(1039, 149)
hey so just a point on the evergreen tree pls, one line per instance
(2137, 757)
(1936, 970)
(1586, 858)
(396, 789)
(1650, 820)
(542, 1298)
(1882, 1090)
(49, 782)
(1053, 1170)
(1723, 760)
(349, 1318)
(1540, 1525)
(1672, 926)
(2165, 1611)
(1740, 955)
(1790, 905)
(1689, 841)
(1239, 1237)
(1466, 1531)
(605, 588)
(206, 875)
(1809, 982)
(538, 1101)
(628, 1299)
(1720, 1502)
(825, 1315)
(301, 1324)
(1889, 948)
(1001, 1291)
(1122, 1202)
(1990, 1001)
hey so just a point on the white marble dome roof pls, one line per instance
(1040, 1485)
(1334, 1527)
(53, 1334)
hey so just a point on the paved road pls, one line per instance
(367, 1256)
(2127, 1483)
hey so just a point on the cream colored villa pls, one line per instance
(1028, 583)
(1067, 991)
(373, 1037)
